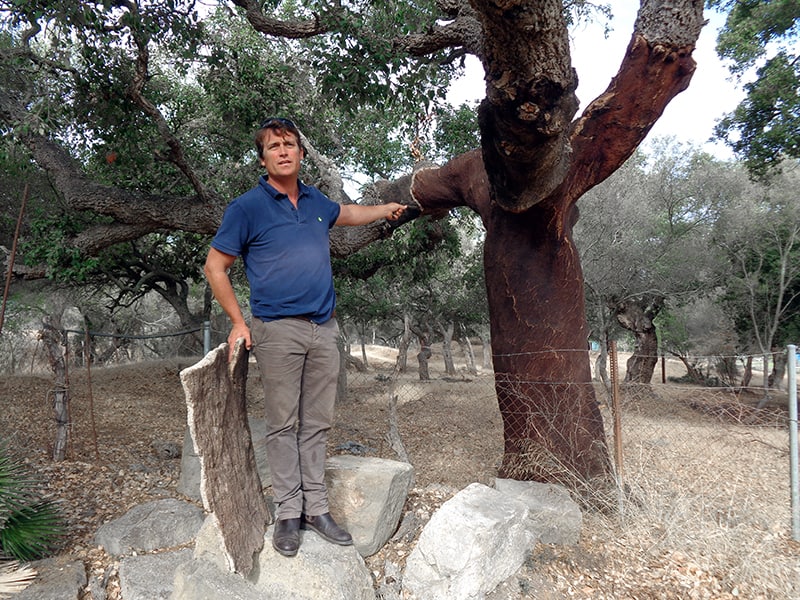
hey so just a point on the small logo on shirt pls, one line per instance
(319, 219)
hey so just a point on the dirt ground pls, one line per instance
(126, 424)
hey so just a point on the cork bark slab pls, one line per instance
(229, 483)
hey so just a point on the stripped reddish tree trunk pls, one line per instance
(552, 427)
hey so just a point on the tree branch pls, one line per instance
(465, 31)
(176, 154)
(657, 66)
(285, 29)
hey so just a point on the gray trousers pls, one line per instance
(299, 365)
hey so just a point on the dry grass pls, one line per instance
(709, 495)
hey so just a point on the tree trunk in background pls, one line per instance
(694, 375)
(53, 338)
(601, 364)
(764, 382)
(642, 364)
(402, 350)
(778, 368)
(466, 345)
(447, 348)
(486, 343)
(636, 315)
(362, 338)
(424, 354)
(747, 376)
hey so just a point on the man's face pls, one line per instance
(282, 155)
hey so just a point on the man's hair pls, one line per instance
(281, 127)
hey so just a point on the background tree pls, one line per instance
(400, 280)
(760, 234)
(760, 36)
(701, 335)
(643, 237)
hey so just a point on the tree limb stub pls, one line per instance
(229, 481)
(464, 31)
(460, 182)
(674, 23)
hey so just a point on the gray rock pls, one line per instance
(150, 576)
(201, 580)
(62, 578)
(476, 540)
(554, 516)
(471, 548)
(367, 497)
(151, 526)
(319, 571)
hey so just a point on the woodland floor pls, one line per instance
(451, 430)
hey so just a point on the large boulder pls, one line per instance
(319, 571)
(554, 517)
(150, 526)
(476, 540)
(367, 496)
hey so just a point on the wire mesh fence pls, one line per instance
(705, 472)
(702, 472)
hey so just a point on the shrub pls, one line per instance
(30, 528)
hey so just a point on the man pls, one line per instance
(280, 229)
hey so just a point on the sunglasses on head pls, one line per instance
(280, 121)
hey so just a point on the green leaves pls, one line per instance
(30, 527)
(765, 128)
(752, 25)
(32, 531)
(47, 244)
(360, 63)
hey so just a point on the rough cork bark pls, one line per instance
(229, 482)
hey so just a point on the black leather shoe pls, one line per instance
(327, 528)
(286, 536)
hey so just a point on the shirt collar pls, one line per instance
(264, 182)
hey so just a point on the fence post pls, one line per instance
(618, 457)
(793, 480)
(206, 337)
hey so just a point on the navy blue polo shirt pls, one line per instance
(286, 251)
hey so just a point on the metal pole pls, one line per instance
(618, 456)
(793, 480)
(12, 255)
(206, 337)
